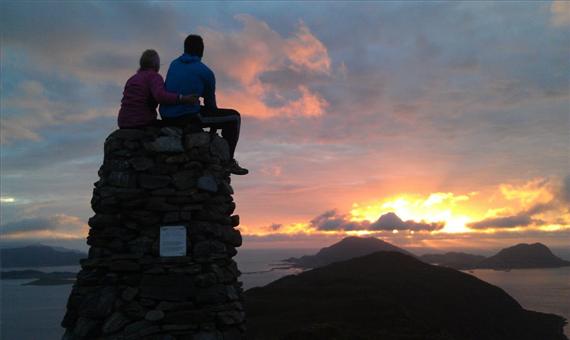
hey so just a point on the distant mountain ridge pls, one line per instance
(391, 296)
(520, 256)
(524, 255)
(39, 256)
(347, 248)
(455, 260)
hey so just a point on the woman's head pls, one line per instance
(150, 60)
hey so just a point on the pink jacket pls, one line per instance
(142, 94)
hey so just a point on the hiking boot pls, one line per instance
(236, 169)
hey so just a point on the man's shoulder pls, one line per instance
(207, 70)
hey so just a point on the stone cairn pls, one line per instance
(152, 178)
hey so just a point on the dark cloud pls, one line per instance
(56, 223)
(520, 220)
(565, 192)
(391, 221)
(332, 220)
(275, 226)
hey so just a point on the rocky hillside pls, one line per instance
(389, 295)
(345, 249)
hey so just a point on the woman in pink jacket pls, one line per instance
(144, 91)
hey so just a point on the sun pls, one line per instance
(433, 208)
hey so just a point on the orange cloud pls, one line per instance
(306, 52)
(560, 11)
(244, 56)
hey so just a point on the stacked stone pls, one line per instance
(152, 178)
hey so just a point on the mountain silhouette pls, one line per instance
(347, 248)
(39, 256)
(524, 255)
(389, 296)
(454, 260)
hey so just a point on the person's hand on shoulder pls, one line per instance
(190, 99)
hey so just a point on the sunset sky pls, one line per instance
(432, 125)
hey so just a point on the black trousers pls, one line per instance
(228, 120)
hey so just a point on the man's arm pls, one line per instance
(210, 91)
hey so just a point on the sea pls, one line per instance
(35, 312)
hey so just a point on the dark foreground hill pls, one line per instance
(389, 295)
(454, 260)
(524, 255)
(39, 256)
(347, 248)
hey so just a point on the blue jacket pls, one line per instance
(188, 75)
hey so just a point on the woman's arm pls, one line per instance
(159, 93)
(164, 97)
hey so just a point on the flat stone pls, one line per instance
(137, 327)
(173, 287)
(140, 245)
(85, 327)
(129, 293)
(177, 159)
(227, 188)
(124, 266)
(171, 131)
(143, 217)
(117, 165)
(122, 179)
(154, 181)
(166, 144)
(128, 134)
(164, 192)
(159, 204)
(208, 336)
(171, 217)
(134, 310)
(230, 317)
(232, 236)
(132, 145)
(141, 163)
(188, 317)
(207, 183)
(184, 180)
(213, 295)
(98, 304)
(205, 249)
(114, 323)
(186, 216)
(154, 315)
(174, 328)
(196, 140)
(187, 270)
(104, 221)
(112, 144)
(192, 207)
(175, 306)
(219, 148)
(235, 220)
(233, 334)
(205, 280)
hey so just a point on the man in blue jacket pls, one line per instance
(186, 75)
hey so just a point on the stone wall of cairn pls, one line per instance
(152, 178)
